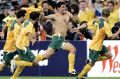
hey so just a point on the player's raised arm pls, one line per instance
(49, 17)
(83, 25)
(43, 18)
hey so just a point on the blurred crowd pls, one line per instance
(83, 11)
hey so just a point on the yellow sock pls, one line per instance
(38, 58)
(71, 59)
(17, 72)
(101, 58)
(23, 63)
(85, 70)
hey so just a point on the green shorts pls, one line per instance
(28, 56)
(94, 55)
(8, 57)
(57, 42)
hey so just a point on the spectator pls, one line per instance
(80, 34)
(48, 26)
(2, 16)
(16, 5)
(74, 8)
(85, 14)
(119, 8)
(46, 9)
(115, 29)
(99, 5)
(5, 11)
(114, 14)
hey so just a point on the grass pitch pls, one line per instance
(6, 77)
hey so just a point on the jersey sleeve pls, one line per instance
(91, 26)
(107, 29)
(28, 28)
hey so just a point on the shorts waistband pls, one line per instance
(59, 35)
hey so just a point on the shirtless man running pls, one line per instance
(61, 25)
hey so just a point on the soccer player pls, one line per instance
(26, 36)
(17, 29)
(7, 21)
(9, 47)
(96, 47)
(61, 20)
(85, 13)
(114, 14)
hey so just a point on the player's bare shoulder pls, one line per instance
(69, 14)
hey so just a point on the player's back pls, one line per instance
(102, 30)
(10, 41)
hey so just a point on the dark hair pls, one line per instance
(58, 5)
(116, 27)
(106, 12)
(44, 2)
(111, 2)
(75, 7)
(34, 15)
(20, 13)
(14, 3)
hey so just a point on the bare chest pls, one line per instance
(62, 19)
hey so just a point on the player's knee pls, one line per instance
(91, 63)
(73, 50)
(1, 68)
(110, 56)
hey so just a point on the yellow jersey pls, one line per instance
(8, 18)
(91, 26)
(113, 18)
(23, 40)
(29, 10)
(17, 29)
(10, 41)
(87, 15)
(102, 30)
(13, 32)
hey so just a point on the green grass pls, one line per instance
(4, 77)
